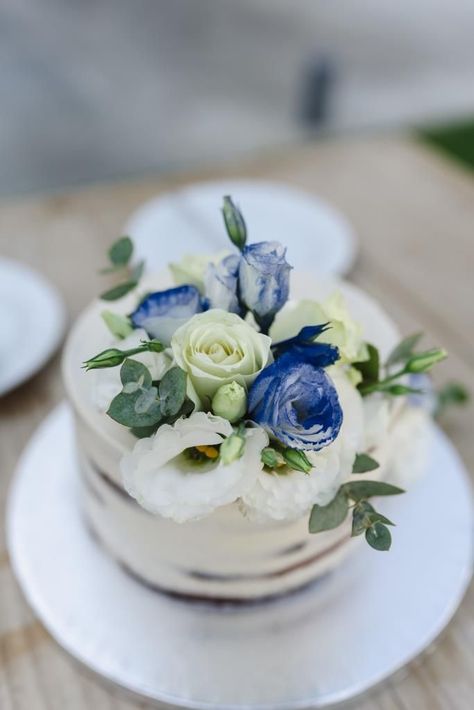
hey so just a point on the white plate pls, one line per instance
(320, 646)
(190, 221)
(32, 321)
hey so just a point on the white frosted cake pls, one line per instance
(258, 545)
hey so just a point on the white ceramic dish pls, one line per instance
(190, 221)
(32, 321)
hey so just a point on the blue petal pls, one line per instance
(303, 347)
(175, 304)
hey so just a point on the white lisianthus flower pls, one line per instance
(376, 420)
(290, 494)
(216, 348)
(344, 332)
(106, 382)
(409, 446)
(165, 481)
(192, 268)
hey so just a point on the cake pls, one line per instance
(250, 540)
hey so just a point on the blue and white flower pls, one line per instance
(264, 276)
(305, 347)
(289, 494)
(296, 403)
(221, 281)
(163, 312)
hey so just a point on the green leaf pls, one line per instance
(359, 490)
(452, 394)
(364, 516)
(364, 463)
(119, 291)
(143, 432)
(172, 391)
(123, 409)
(330, 516)
(297, 460)
(134, 371)
(137, 271)
(121, 251)
(378, 536)
(118, 325)
(370, 368)
(403, 350)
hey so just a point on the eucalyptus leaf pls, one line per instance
(364, 516)
(134, 371)
(404, 350)
(143, 432)
(378, 536)
(370, 368)
(123, 410)
(172, 391)
(359, 490)
(119, 291)
(364, 463)
(330, 516)
(121, 251)
(137, 271)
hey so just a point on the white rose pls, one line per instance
(165, 482)
(192, 268)
(344, 332)
(290, 495)
(215, 348)
(106, 382)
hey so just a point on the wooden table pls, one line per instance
(414, 214)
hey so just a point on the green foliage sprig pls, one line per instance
(120, 255)
(144, 404)
(365, 519)
(404, 355)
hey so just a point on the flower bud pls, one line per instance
(107, 358)
(232, 448)
(422, 362)
(234, 223)
(230, 402)
(297, 460)
(272, 458)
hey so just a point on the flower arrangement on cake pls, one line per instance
(235, 393)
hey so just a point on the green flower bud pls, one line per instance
(422, 362)
(297, 460)
(272, 458)
(230, 402)
(107, 358)
(234, 223)
(232, 448)
(153, 346)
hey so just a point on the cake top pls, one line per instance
(233, 391)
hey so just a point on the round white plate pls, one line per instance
(190, 221)
(320, 646)
(32, 321)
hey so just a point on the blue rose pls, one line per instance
(221, 284)
(264, 280)
(296, 403)
(304, 346)
(163, 312)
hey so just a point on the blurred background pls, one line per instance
(100, 89)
